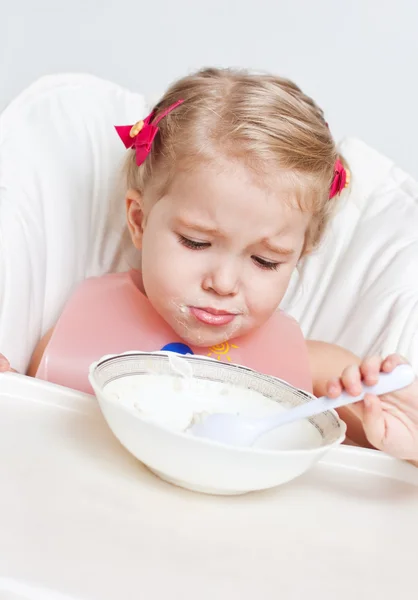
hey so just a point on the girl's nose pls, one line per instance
(223, 279)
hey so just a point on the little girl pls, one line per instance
(231, 180)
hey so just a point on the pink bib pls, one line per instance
(110, 315)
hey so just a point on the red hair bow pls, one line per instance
(340, 180)
(141, 135)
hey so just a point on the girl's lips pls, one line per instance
(212, 316)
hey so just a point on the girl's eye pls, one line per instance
(265, 264)
(192, 244)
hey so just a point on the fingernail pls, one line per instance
(333, 386)
(367, 402)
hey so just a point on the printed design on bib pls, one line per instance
(221, 350)
(178, 348)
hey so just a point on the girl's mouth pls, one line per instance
(212, 316)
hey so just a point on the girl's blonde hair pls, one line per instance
(265, 121)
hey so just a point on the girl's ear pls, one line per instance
(135, 217)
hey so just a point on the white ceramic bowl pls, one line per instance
(202, 465)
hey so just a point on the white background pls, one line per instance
(357, 58)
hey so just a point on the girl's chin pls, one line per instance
(206, 336)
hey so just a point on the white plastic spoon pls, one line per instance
(244, 431)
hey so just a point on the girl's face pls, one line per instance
(218, 251)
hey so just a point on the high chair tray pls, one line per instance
(81, 519)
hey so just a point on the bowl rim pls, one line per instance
(195, 439)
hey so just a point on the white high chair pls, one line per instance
(59, 174)
(59, 165)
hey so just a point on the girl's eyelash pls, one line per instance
(192, 244)
(265, 264)
(260, 262)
